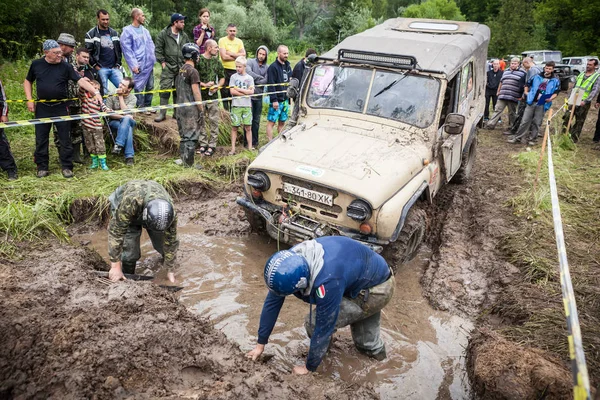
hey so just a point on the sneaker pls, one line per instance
(513, 140)
(179, 161)
(42, 173)
(67, 173)
(118, 149)
(129, 162)
(12, 175)
(507, 133)
(531, 143)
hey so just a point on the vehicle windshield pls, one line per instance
(407, 98)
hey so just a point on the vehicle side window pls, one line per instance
(449, 105)
(466, 82)
(576, 62)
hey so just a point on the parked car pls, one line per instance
(563, 71)
(578, 64)
(382, 122)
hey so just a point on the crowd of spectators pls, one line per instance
(92, 78)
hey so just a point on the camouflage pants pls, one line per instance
(190, 122)
(131, 246)
(94, 140)
(363, 314)
(212, 118)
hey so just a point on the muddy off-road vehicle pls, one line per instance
(381, 122)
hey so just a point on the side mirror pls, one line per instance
(292, 90)
(311, 59)
(455, 123)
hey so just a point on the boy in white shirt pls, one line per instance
(241, 84)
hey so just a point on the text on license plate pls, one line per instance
(308, 194)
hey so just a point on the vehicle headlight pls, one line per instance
(259, 181)
(359, 210)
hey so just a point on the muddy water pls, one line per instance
(222, 280)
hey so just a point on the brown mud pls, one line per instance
(68, 335)
(222, 281)
(470, 275)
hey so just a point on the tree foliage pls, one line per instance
(435, 9)
(517, 25)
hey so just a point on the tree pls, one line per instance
(305, 12)
(435, 9)
(514, 30)
(571, 26)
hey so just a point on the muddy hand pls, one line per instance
(116, 273)
(256, 352)
(299, 370)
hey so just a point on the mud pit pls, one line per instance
(222, 280)
(67, 335)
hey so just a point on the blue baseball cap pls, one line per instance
(177, 17)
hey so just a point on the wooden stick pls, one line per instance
(539, 167)
(570, 119)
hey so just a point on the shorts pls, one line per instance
(281, 114)
(241, 116)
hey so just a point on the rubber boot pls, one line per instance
(77, 153)
(187, 155)
(94, 161)
(102, 160)
(128, 267)
(162, 114)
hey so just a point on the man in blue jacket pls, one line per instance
(540, 90)
(280, 71)
(349, 284)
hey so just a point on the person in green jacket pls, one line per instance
(168, 46)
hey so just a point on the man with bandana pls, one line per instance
(347, 282)
(52, 76)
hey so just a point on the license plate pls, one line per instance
(308, 194)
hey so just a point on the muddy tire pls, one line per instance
(468, 162)
(257, 223)
(410, 237)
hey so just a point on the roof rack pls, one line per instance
(380, 59)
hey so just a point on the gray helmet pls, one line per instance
(190, 51)
(158, 215)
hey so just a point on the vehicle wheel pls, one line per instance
(468, 162)
(257, 223)
(411, 236)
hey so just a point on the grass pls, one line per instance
(32, 208)
(535, 305)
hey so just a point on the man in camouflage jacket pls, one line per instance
(127, 205)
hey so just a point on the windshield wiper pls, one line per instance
(391, 85)
(388, 87)
(332, 79)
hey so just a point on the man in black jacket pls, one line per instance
(301, 65)
(491, 88)
(279, 72)
(104, 46)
